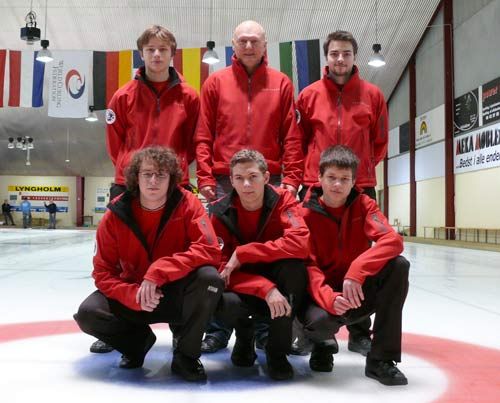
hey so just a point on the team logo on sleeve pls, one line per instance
(221, 242)
(110, 116)
(297, 116)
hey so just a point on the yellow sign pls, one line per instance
(38, 188)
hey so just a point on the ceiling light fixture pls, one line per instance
(210, 56)
(376, 60)
(45, 55)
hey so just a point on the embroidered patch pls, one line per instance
(211, 288)
(221, 242)
(110, 116)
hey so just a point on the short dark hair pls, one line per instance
(157, 31)
(344, 36)
(338, 156)
(247, 155)
(163, 158)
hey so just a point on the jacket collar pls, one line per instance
(174, 78)
(122, 208)
(240, 70)
(311, 201)
(353, 81)
(225, 210)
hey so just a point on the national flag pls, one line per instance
(279, 57)
(25, 79)
(69, 81)
(308, 62)
(3, 57)
(188, 63)
(105, 74)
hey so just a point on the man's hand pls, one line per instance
(208, 193)
(148, 296)
(353, 291)
(290, 188)
(341, 305)
(231, 265)
(278, 304)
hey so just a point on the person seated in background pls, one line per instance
(348, 279)
(154, 263)
(264, 242)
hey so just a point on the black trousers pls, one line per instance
(187, 305)
(385, 294)
(240, 310)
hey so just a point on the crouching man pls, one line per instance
(348, 279)
(264, 244)
(154, 263)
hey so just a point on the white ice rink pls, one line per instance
(451, 341)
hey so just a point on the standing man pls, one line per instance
(7, 215)
(264, 242)
(145, 275)
(156, 108)
(246, 105)
(26, 210)
(341, 108)
(52, 210)
(349, 279)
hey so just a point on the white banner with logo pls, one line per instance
(69, 80)
(478, 150)
(429, 127)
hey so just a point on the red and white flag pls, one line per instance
(25, 79)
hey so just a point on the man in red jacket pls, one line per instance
(155, 108)
(246, 105)
(344, 109)
(348, 279)
(145, 275)
(264, 242)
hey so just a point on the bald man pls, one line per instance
(246, 105)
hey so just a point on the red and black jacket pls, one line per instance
(185, 240)
(281, 234)
(341, 247)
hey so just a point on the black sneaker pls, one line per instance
(100, 347)
(212, 344)
(243, 354)
(361, 345)
(385, 372)
(129, 362)
(278, 366)
(189, 369)
(322, 356)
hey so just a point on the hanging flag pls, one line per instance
(105, 77)
(3, 57)
(279, 57)
(69, 77)
(308, 62)
(188, 63)
(25, 79)
(136, 62)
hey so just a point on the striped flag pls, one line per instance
(69, 82)
(308, 62)
(279, 57)
(25, 79)
(188, 63)
(110, 71)
(3, 57)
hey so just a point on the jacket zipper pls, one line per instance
(249, 109)
(339, 116)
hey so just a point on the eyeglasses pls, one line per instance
(242, 43)
(160, 176)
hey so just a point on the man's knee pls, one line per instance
(207, 278)
(400, 267)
